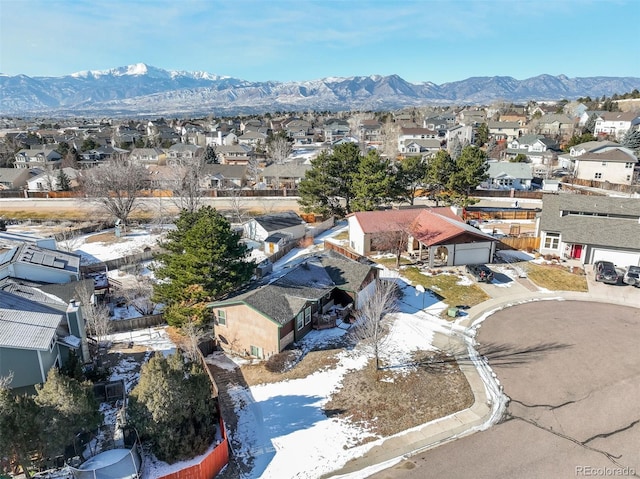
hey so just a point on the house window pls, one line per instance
(604, 163)
(598, 176)
(628, 165)
(300, 320)
(552, 240)
(256, 352)
(222, 317)
(307, 315)
(628, 177)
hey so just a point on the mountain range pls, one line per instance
(143, 90)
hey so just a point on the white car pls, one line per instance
(632, 276)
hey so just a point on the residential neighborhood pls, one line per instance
(269, 250)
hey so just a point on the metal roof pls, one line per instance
(27, 330)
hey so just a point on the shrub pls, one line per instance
(281, 362)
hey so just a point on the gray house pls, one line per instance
(38, 330)
(504, 175)
(590, 228)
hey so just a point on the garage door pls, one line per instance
(471, 256)
(619, 258)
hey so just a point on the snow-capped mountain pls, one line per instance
(143, 90)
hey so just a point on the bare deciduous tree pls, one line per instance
(116, 186)
(237, 206)
(389, 133)
(370, 328)
(139, 294)
(278, 148)
(194, 334)
(96, 315)
(395, 242)
(185, 183)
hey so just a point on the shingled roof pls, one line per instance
(595, 220)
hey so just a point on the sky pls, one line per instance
(294, 40)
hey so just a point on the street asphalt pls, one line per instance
(570, 366)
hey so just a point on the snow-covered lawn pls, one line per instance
(283, 430)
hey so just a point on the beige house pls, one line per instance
(271, 315)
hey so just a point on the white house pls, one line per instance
(617, 166)
(50, 180)
(504, 130)
(287, 223)
(615, 123)
(408, 135)
(436, 234)
(463, 133)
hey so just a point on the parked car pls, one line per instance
(605, 271)
(632, 276)
(480, 272)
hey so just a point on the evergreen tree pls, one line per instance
(590, 125)
(631, 140)
(519, 158)
(374, 183)
(410, 177)
(439, 170)
(210, 156)
(482, 135)
(172, 409)
(64, 183)
(67, 407)
(317, 190)
(579, 139)
(203, 261)
(470, 170)
(329, 182)
(21, 428)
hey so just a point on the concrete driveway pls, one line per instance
(572, 371)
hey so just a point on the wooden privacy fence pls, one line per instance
(343, 251)
(507, 194)
(525, 243)
(140, 322)
(479, 213)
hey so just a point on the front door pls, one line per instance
(576, 251)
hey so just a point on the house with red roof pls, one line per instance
(436, 234)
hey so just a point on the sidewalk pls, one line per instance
(486, 410)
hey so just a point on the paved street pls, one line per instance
(572, 371)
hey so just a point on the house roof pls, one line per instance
(620, 229)
(288, 170)
(505, 169)
(346, 274)
(59, 260)
(504, 124)
(11, 174)
(431, 228)
(27, 330)
(226, 171)
(592, 146)
(278, 221)
(615, 155)
(619, 115)
(282, 299)
(529, 139)
(393, 220)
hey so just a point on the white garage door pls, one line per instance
(619, 258)
(472, 256)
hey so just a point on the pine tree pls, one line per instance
(470, 170)
(210, 156)
(373, 184)
(410, 177)
(64, 183)
(172, 409)
(439, 170)
(327, 187)
(204, 260)
(482, 134)
(631, 140)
